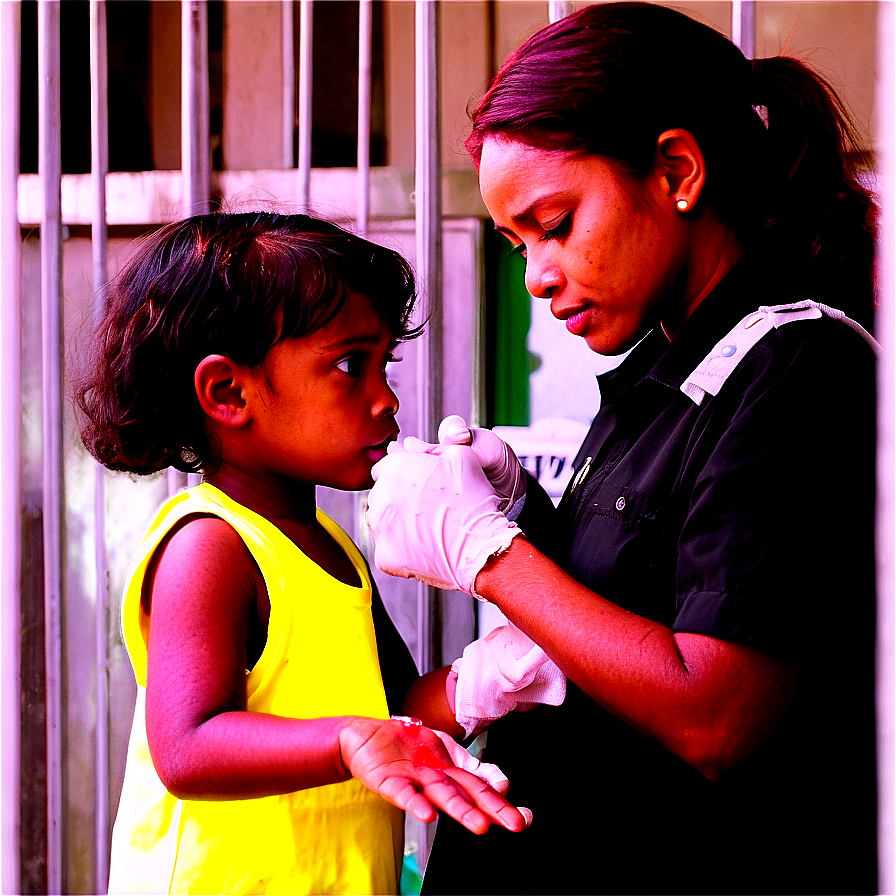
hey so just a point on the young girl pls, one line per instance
(252, 348)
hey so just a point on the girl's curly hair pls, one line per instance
(231, 284)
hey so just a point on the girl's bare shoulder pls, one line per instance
(202, 553)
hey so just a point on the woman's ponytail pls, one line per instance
(815, 199)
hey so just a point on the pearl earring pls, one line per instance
(682, 205)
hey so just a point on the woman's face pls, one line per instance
(609, 252)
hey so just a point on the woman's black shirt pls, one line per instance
(748, 517)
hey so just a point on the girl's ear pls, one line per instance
(679, 160)
(219, 383)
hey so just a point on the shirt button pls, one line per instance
(620, 503)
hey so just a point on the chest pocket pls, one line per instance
(618, 547)
(623, 504)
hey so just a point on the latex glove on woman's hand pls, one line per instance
(496, 457)
(502, 672)
(412, 767)
(435, 517)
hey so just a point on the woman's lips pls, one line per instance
(576, 323)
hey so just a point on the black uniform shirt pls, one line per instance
(721, 518)
(748, 517)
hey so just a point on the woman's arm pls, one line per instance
(539, 519)
(711, 702)
(428, 699)
(206, 745)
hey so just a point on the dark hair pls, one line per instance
(231, 284)
(781, 155)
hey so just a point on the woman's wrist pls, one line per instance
(488, 581)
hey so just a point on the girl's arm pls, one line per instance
(711, 702)
(206, 745)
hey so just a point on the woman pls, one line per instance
(706, 585)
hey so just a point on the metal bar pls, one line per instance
(428, 209)
(10, 443)
(365, 76)
(428, 233)
(885, 326)
(743, 26)
(362, 190)
(289, 83)
(99, 167)
(306, 42)
(428, 245)
(195, 129)
(50, 168)
(560, 9)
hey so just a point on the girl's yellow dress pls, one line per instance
(320, 660)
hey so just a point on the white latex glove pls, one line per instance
(502, 672)
(499, 463)
(435, 517)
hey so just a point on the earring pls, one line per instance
(682, 205)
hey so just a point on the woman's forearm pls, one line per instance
(428, 700)
(711, 702)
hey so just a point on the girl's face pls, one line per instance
(324, 411)
(607, 251)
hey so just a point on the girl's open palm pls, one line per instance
(407, 764)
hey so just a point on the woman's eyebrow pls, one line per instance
(527, 211)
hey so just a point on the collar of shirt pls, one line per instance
(670, 363)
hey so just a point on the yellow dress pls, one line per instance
(320, 660)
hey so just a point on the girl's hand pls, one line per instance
(408, 764)
(485, 770)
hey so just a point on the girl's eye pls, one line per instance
(350, 365)
(518, 250)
